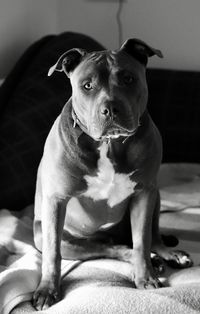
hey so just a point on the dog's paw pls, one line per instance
(179, 259)
(148, 283)
(45, 296)
(144, 278)
(158, 264)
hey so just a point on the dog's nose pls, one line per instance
(108, 110)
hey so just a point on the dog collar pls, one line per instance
(79, 123)
(83, 129)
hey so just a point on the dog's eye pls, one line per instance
(88, 85)
(128, 79)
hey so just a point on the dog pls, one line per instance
(100, 160)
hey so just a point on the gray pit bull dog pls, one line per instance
(101, 158)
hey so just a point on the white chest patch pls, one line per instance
(108, 185)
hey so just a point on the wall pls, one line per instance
(21, 23)
(172, 26)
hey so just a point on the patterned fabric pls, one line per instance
(29, 103)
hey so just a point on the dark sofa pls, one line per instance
(30, 101)
(174, 104)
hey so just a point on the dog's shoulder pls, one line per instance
(144, 149)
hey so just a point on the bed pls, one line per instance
(29, 103)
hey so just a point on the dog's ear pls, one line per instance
(68, 61)
(140, 50)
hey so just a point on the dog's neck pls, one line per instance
(79, 133)
(87, 149)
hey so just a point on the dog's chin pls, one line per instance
(115, 134)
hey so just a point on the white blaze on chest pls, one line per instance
(108, 185)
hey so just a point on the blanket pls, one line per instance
(99, 286)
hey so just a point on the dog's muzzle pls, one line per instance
(117, 120)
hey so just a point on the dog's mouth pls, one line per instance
(116, 132)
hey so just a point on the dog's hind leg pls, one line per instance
(174, 258)
(84, 249)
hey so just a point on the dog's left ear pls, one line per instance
(140, 50)
(68, 61)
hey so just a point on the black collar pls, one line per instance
(78, 123)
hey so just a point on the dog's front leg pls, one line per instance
(141, 211)
(53, 215)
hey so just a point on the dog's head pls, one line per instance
(109, 89)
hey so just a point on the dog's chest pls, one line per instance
(108, 184)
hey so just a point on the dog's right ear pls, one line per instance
(140, 50)
(68, 61)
